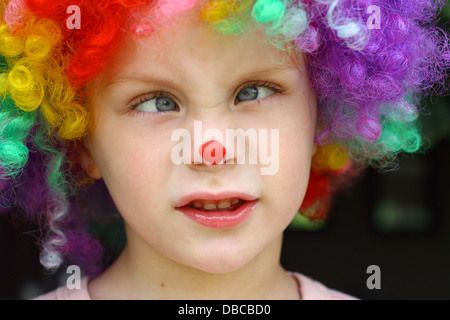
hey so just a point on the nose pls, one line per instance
(212, 152)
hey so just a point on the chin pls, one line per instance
(221, 263)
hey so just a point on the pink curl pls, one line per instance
(14, 15)
(170, 8)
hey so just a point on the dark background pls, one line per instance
(397, 220)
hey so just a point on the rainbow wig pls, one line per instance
(369, 80)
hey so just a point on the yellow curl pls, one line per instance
(37, 80)
(50, 114)
(10, 46)
(20, 78)
(3, 85)
(49, 30)
(76, 122)
(215, 11)
(45, 34)
(36, 47)
(330, 157)
(71, 119)
(26, 85)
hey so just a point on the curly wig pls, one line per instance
(369, 79)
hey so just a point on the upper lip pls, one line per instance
(185, 200)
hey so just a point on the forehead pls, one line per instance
(187, 44)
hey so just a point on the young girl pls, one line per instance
(97, 90)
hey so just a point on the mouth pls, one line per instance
(207, 199)
(229, 204)
(219, 213)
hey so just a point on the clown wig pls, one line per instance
(370, 63)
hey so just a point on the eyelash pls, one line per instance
(132, 108)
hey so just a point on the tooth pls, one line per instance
(198, 205)
(235, 201)
(210, 206)
(224, 205)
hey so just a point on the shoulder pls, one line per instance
(313, 290)
(64, 293)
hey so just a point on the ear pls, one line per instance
(88, 163)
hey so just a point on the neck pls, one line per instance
(145, 274)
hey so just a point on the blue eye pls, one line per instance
(254, 92)
(154, 104)
(165, 104)
(249, 93)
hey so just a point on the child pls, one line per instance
(103, 90)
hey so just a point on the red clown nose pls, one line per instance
(212, 152)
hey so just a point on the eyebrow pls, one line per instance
(141, 78)
(165, 81)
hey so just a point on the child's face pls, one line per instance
(203, 74)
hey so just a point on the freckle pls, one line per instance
(162, 284)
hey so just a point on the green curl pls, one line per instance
(266, 11)
(56, 176)
(15, 126)
(399, 136)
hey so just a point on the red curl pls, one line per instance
(91, 47)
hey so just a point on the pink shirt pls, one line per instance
(309, 290)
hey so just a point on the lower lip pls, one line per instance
(220, 219)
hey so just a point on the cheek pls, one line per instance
(139, 188)
(133, 165)
(146, 166)
(295, 164)
(285, 190)
(295, 153)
